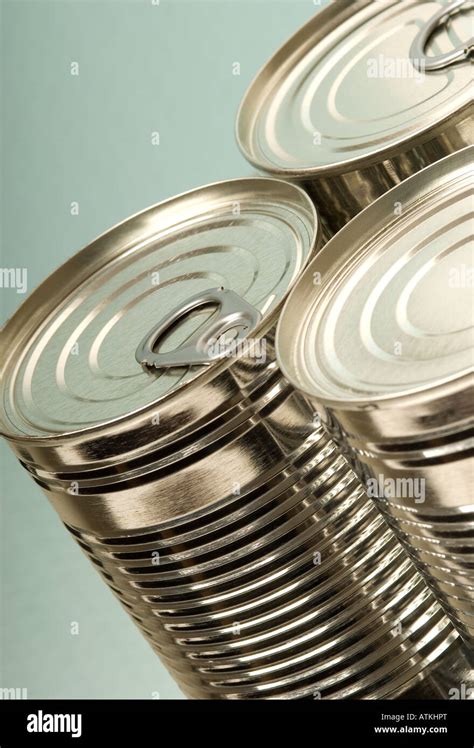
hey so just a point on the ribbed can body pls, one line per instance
(204, 488)
(294, 587)
(384, 349)
(436, 523)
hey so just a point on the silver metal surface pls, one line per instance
(460, 54)
(383, 344)
(343, 108)
(231, 315)
(75, 370)
(295, 588)
(218, 511)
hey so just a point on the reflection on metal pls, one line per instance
(460, 54)
(384, 348)
(316, 112)
(212, 502)
(231, 313)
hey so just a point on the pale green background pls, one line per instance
(143, 68)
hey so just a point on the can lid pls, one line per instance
(385, 310)
(358, 82)
(130, 319)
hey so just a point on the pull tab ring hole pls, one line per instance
(184, 327)
(204, 321)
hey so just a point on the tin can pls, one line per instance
(360, 98)
(383, 344)
(136, 392)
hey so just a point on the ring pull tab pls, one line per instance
(207, 344)
(460, 54)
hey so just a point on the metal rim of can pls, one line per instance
(420, 436)
(349, 242)
(287, 57)
(94, 257)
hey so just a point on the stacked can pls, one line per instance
(383, 344)
(362, 97)
(140, 390)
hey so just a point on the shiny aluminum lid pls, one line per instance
(356, 83)
(386, 309)
(81, 350)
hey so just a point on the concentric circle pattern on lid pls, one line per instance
(345, 87)
(79, 369)
(386, 308)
